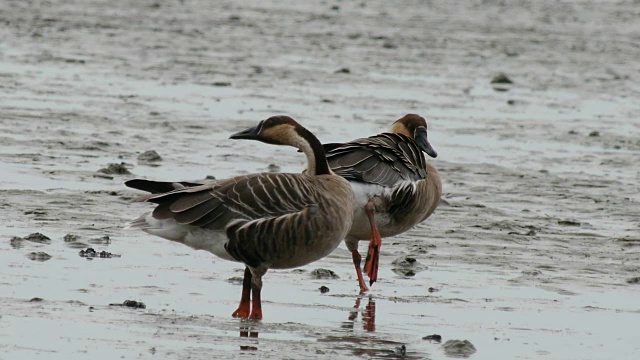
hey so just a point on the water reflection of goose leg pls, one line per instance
(369, 316)
(353, 314)
(246, 332)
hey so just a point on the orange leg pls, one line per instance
(256, 303)
(373, 256)
(245, 301)
(356, 262)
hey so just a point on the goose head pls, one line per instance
(283, 130)
(415, 127)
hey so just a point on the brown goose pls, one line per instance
(391, 179)
(267, 220)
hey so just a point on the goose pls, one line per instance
(395, 187)
(265, 220)
(392, 179)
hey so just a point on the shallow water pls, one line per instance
(530, 258)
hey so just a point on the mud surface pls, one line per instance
(536, 255)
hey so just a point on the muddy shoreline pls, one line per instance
(536, 253)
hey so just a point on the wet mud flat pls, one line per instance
(535, 254)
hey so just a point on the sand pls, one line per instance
(534, 255)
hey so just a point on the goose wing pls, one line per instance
(385, 159)
(158, 187)
(214, 205)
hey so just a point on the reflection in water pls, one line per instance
(248, 332)
(368, 316)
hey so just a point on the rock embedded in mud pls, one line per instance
(634, 280)
(323, 289)
(343, 71)
(458, 348)
(131, 304)
(407, 266)
(434, 338)
(36, 299)
(91, 253)
(149, 156)
(594, 134)
(115, 169)
(38, 238)
(16, 242)
(273, 168)
(324, 274)
(105, 240)
(501, 83)
(221, 83)
(39, 256)
(568, 223)
(71, 238)
(73, 241)
(235, 280)
(501, 79)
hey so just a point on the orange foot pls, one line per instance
(373, 260)
(256, 314)
(243, 310)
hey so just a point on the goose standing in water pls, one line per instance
(266, 221)
(395, 187)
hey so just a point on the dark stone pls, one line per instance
(324, 274)
(149, 156)
(235, 280)
(39, 256)
(594, 134)
(343, 71)
(16, 242)
(105, 240)
(634, 280)
(389, 45)
(221, 83)
(131, 304)
(115, 169)
(401, 351)
(407, 266)
(568, 223)
(90, 253)
(323, 289)
(273, 168)
(435, 338)
(458, 348)
(38, 238)
(36, 299)
(71, 238)
(501, 79)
